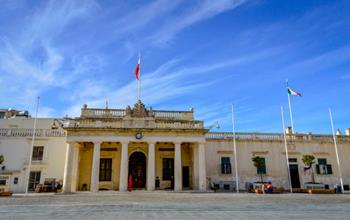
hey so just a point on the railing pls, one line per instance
(179, 115)
(180, 125)
(159, 124)
(102, 113)
(118, 113)
(275, 136)
(5, 132)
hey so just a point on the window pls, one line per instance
(106, 169)
(225, 165)
(2, 114)
(322, 167)
(38, 152)
(15, 180)
(262, 169)
(2, 182)
(168, 168)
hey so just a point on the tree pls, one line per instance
(259, 163)
(1, 159)
(308, 160)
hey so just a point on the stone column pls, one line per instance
(178, 168)
(202, 168)
(151, 167)
(123, 179)
(75, 168)
(95, 171)
(67, 176)
(195, 167)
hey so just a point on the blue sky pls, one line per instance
(201, 53)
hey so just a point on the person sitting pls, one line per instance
(269, 187)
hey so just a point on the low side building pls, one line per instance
(103, 148)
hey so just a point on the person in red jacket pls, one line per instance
(130, 183)
(269, 187)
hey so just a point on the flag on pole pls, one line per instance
(293, 92)
(137, 70)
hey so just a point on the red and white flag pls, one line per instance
(137, 70)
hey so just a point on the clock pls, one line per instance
(138, 136)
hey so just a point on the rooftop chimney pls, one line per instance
(338, 132)
(347, 131)
(289, 130)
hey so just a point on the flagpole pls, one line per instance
(139, 81)
(290, 110)
(235, 150)
(286, 149)
(336, 151)
(31, 147)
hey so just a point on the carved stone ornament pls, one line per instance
(139, 111)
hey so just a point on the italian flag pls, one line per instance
(293, 92)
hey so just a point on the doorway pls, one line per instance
(34, 180)
(294, 175)
(185, 177)
(137, 169)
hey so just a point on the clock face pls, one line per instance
(138, 135)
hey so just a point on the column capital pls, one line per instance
(151, 142)
(124, 142)
(97, 143)
(177, 142)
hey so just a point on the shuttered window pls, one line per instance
(168, 168)
(38, 153)
(225, 165)
(322, 167)
(105, 169)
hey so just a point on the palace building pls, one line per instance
(159, 150)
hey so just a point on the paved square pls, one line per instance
(170, 205)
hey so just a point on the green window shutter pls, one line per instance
(225, 160)
(318, 169)
(225, 165)
(322, 161)
(329, 169)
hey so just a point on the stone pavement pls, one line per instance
(170, 205)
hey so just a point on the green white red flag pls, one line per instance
(293, 92)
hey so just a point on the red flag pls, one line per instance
(137, 70)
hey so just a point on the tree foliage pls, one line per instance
(308, 160)
(259, 162)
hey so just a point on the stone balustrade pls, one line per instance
(102, 113)
(8, 132)
(157, 124)
(275, 136)
(119, 113)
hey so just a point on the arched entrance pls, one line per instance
(137, 169)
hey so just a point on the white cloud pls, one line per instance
(202, 11)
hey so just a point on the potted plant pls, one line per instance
(308, 160)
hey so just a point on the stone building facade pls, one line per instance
(159, 150)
